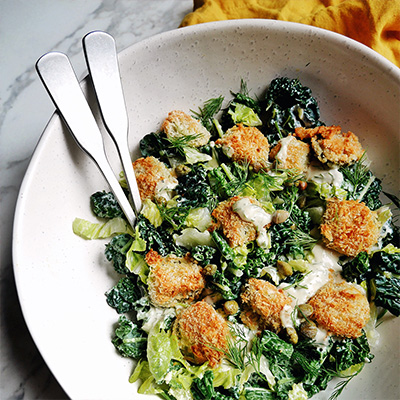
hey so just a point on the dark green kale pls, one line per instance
(386, 282)
(159, 239)
(129, 340)
(381, 273)
(124, 296)
(154, 144)
(195, 190)
(279, 354)
(361, 184)
(228, 180)
(227, 283)
(203, 389)
(116, 251)
(293, 235)
(203, 254)
(307, 364)
(257, 260)
(223, 246)
(158, 145)
(348, 352)
(358, 269)
(105, 205)
(288, 105)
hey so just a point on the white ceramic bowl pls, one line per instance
(61, 279)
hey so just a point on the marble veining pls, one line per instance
(29, 29)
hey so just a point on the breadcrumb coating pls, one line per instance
(341, 309)
(150, 174)
(349, 227)
(262, 305)
(290, 153)
(332, 145)
(202, 334)
(236, 230)
(178, 124)
(173, 279)
(246, 144)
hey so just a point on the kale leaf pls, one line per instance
(105, 205)
(124, 296)
(116, 251)
(348, 352)
(195, 190)
(358, 269)
(159, 239)
(203, 389)
(382, 276)
(203, 254)
(129, 340)
(386, 282)
(288, 104)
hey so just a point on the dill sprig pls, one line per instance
(342, 385)
(179, 143)
(302, 239)
(207, 113)
(237, 347)
(357, 176)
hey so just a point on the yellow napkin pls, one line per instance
(375, 23)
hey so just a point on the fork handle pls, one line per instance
(102, 61)
(59, 79)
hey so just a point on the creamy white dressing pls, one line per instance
(255, 214)
(287, 316)
(165, 187)
(322, 337)
(331, 176)
(156, 315)
(283, 151)
(323, 268)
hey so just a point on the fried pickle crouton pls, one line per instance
(341, 309)
(290, 153)
(173, 279)
(179, 125)
(235, 229)
(202, 334)
(349, 227)
(246, 144)
(262, 305)
(332, 145)
(152, 176)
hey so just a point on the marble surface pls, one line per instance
(29, 29)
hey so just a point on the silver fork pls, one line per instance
(58, 77)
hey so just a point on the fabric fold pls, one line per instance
(375, 23)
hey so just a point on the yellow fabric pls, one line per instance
(375, 23)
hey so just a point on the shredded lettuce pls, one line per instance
(91, 230)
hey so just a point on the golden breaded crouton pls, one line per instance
(246, 144)
(349, 227)
(290, 153)
(202, 334)
(151, 175)
(179, 124)
(262, 305)
(173, 279)
(236, 230)
(341, 309)
(332, 145)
